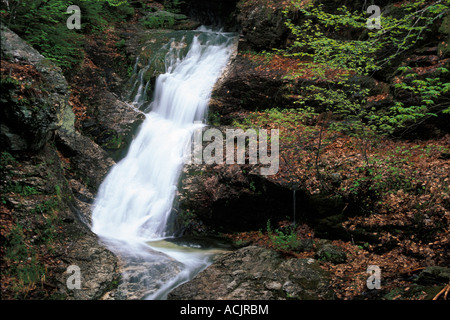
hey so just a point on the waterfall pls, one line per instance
(134, 202)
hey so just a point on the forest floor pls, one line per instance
(401, 192)
(395, 191)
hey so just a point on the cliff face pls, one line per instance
(45, 195)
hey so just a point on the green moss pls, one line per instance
(214, 118)
(6, 159)
(21, 188)
(24, 267)
(445, 26)
(414, 292)
(115, 142)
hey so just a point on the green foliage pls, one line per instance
(49, 231)
(427, 92)
(327, 39)
(48, 206)
(402, 31)
(288, 119)
(214, 118)
(21, 189)
(173, 5)
(6, 158)
(43, 25)
(160, 20)
(28, 241)
(24, 268)
(313, 39)
(285, 239)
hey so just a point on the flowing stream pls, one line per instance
(134, 204)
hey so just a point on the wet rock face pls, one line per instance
(247, 87)
(255, 273)
(110, 121)
(90, 165)
(34, 95)
(143, 272)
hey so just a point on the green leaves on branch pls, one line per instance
(427, 91)
(43, 24)
(340, 41)
(314, 40)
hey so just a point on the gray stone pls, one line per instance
(98, 269)
(255, 273)
(30, 120)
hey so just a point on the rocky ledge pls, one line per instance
(256, 273)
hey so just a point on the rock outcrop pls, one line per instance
(34, 96)
(255, 273)
(262, 25)
(44, 160)
(248, 87)
(40, 209)
(229, 198)
(104, 114)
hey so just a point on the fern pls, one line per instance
(43, 25)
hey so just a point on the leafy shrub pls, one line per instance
(327, 39)
(25, 268)
(285, 239)
(43, 25)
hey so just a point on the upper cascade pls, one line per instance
(135, 200)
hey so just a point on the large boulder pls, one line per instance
(212, 13)
(89, 164)
(34, 95)
(229, 198)
(434, 275)
(246, 86)
(99, 269)
(256, 273)
(263, 25)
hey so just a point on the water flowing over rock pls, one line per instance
(127, 218)
(144, 271)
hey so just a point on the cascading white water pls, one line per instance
(135, 200)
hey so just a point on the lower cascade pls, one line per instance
(132, 211)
